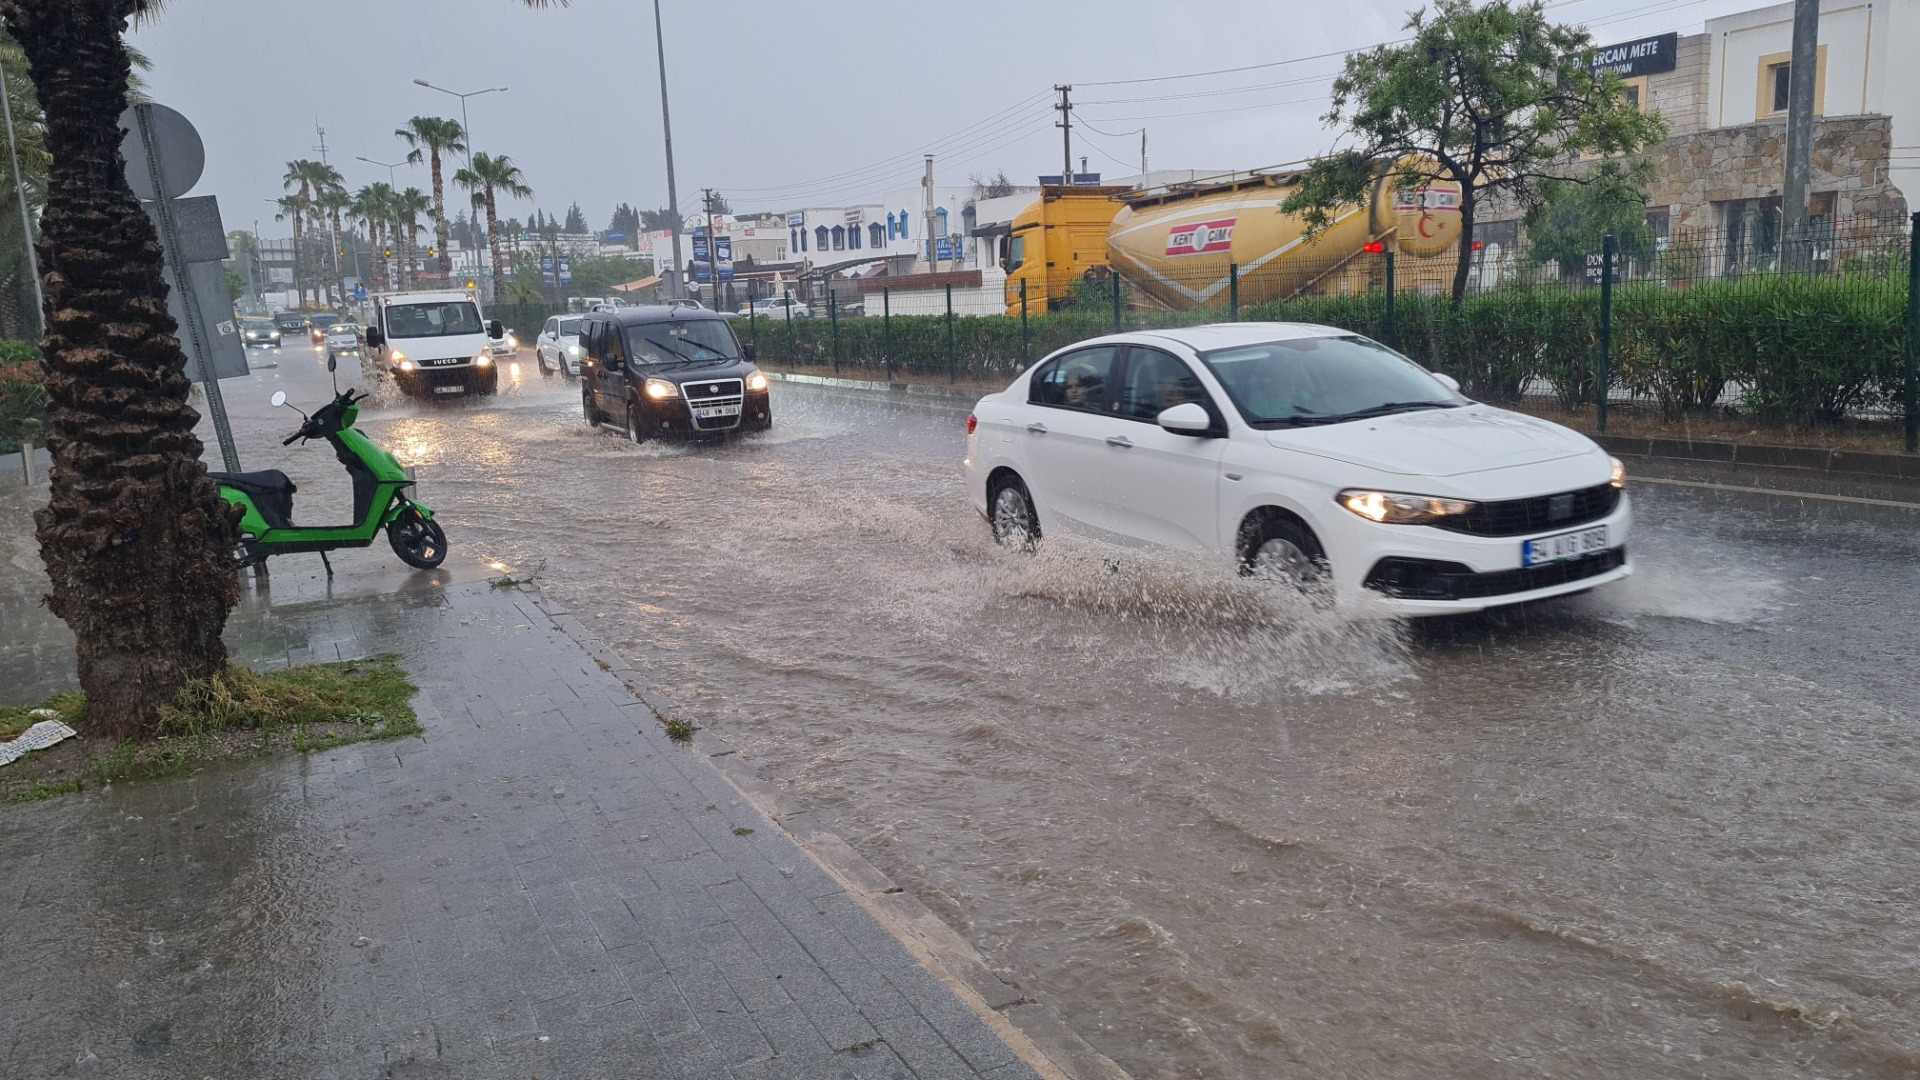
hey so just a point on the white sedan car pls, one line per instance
(558, 346)
(1303, 450)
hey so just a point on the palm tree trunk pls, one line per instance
(406, 254)
(299, 289)
(137, 541)
(440, 232)
(493, 246)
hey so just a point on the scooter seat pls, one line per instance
(271, 491)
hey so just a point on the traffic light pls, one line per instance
(389, 253)
(471, 284)
(432, 252)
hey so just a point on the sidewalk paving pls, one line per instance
(543, 886)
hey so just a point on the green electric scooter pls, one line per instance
(267, 528)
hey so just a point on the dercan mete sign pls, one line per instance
(1632, 59)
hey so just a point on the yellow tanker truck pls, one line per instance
(1178, 248)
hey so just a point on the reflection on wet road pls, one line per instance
(1664, 830)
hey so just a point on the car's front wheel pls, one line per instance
(1010, 510)
(540, 361)
(636, 424)
(586, 407)
(1282, 549)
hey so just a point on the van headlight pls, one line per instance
(1393, 508)
(757, 381)
(659, 389)
(1619, 473)
(483, 360)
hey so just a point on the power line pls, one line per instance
(1247, 67)
(900, 167)
(1218, 93)
(1209, 112)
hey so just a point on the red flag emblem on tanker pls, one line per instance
(1200, 237)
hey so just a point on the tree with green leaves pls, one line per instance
(576, 222)
(373, 207)
(1571, 221)
(137, 541)
(487, 177)
(626, 222)
(431, 137)
(657, 220)
(1493, 97)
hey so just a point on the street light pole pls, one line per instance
(466, 129)
(666, 126)
(389, 167)
(26, 220)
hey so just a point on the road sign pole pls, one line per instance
(1604, 376)
(183, 281)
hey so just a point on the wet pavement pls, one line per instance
(1666, 829)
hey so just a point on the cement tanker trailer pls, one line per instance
(1178, 248)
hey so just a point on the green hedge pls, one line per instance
(23, 391)
(1801, 349)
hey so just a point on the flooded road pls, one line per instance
(1669, 829)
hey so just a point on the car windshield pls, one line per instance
(677, 341)
(325, 320)
(286, 321)
(1323, 380)
(433, 320)
(570, 326)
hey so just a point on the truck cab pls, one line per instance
(434, 344)
(1056, 240)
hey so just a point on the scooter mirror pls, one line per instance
(332, 364)
(279, 398)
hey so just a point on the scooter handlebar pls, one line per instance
(288, 441)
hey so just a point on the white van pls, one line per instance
(433, 343)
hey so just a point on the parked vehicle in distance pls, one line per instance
(779, 307)
(318, 325)
(1302, 451)
(342, 342)
(259, 334)
(290, 323)
(577, 305)
(558, 346)
(504, 347)
(434, 343)
(658, 371)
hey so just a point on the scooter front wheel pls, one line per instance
(418, 539)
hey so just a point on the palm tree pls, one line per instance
(330, 202)
(291, 210)
(486, 176)
(137, 541)
(436, 136)
(406, 208)
(372, 205)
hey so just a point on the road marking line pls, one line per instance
(1862, 500)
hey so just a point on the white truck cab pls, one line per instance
(433, 343)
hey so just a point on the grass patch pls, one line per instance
(680, 730)
(742, 830)
(239, 713)
(508, 581)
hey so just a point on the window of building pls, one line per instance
(803, 239)
(1776, 84)
(874, 237)
(1820, 205)
(820, 238)
(853, 238)
(1782, 79)
(940, 222)
(903, 225)
(839, 235)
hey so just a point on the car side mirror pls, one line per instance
(749, 351)
(1186, 419)
(375, 338)
(1447, 381)
(495, 330)
(612, 363)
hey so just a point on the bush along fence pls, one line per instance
(23, 395)
(1723, 319)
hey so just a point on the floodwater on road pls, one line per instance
(1667, 829)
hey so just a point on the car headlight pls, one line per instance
(1392, 508)
(512, 342)
(483, 360)
(1619, 472)
(757, 381)
(574, 350)
(659, 389)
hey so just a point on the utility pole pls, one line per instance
(331, 231)
(1143, 157)
(926, 185)
(1065, 124)
(713, 249)
(26, 221)
(666, 126)
(1802, 73)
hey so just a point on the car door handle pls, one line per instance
(1037, 429)
(1120, 442)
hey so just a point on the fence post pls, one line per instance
(886, 330)
(1026, 353)
(1116, 300)
(1913, 335)
(833, 327)
(1233, 291)
(1604, 375)
(950, 371)
(1393, 333)
(792, 357)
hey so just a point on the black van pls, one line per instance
(659, 371)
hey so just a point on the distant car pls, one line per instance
(658, 371)
(318, 325)
(777, 307)
(260, 333)
(290, 323)
(342, 342)
(558, 346)
(1303, 452)
(504, 347)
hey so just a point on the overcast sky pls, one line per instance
(777, 104)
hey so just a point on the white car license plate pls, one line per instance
(1573, 545)
(449, 389)
(715, 412)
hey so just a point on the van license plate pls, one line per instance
(716, 412)
(1565, 547)
(449, 389)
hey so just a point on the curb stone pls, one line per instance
(1034, 1030)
